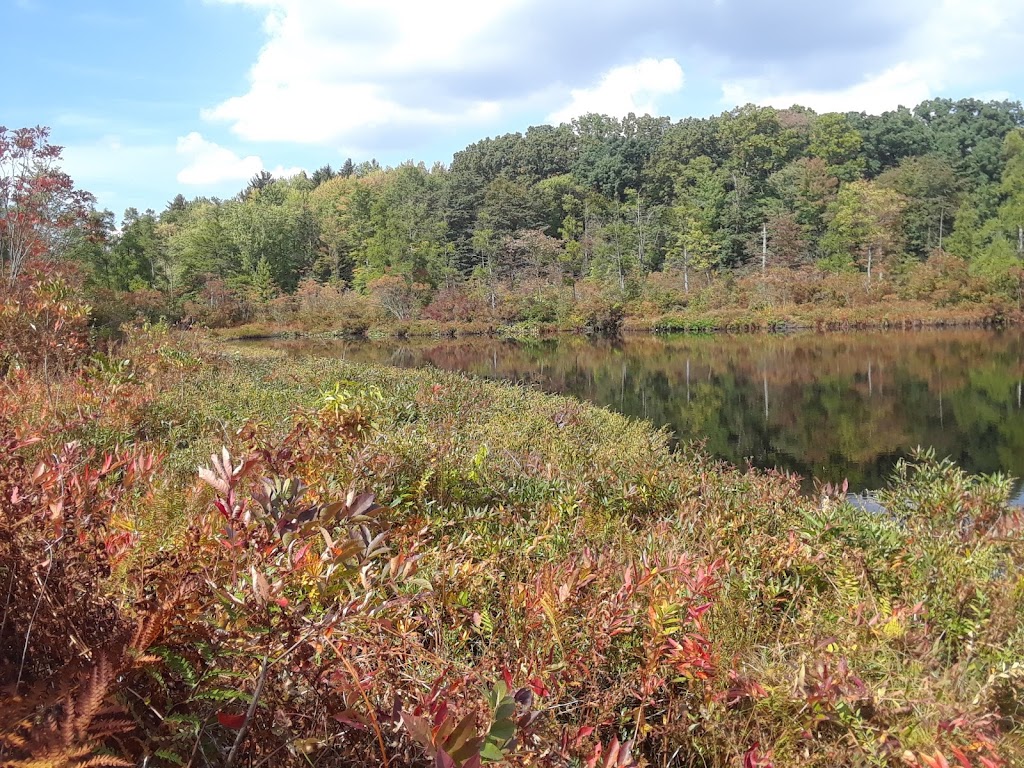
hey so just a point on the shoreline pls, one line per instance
(668, 324)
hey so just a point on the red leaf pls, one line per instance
(755, 759)
(350, 718)
(418, 728)
(538, 686)
(961, 757)
(938, 761)
(230, 721)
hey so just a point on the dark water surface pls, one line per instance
(829, 406)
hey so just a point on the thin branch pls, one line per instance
(31, 622)
(366, 701)
(250, 713)
(268, 757)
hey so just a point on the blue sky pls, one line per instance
(195, 96)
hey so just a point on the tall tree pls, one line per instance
(889, 137)
(864, 228)
(1010, 216)
(200, 245)
(838, 143)
(931, 189)
(407, 233)
(970, 133)
(40, 209)
(805, 188)
(136, 258)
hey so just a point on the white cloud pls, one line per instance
(961, 43)
(280, 172)
(210, 163)
(905, 84)
(109, 168)
(371, 76)
(631, 88)
(331, 71)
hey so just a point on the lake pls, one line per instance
(826, 406)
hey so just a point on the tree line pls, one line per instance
(607, 201)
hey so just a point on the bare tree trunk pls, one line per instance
(490, 280)
(764, 247)
(586, 238)
(686, 271)
(639, 233)
(869, 266)
(618, 260)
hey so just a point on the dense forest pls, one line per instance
(832, 209)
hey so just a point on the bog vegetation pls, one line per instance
(227, 559)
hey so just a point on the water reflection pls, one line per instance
(825, 406)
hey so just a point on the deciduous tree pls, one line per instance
(39, 205)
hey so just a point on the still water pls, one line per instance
(827, 406)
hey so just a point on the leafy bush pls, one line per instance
(43, 323)
(456, 304)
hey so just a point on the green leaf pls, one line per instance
(502, 730)
(492, 753)
(505, 709)
(180, 666)
(222, 694)
(171, 757)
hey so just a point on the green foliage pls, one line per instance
(528, 217)
(863, 226)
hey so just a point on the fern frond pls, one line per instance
(847, 584)
(102, 729)
(90, 699)
(53, 758)
(13, 738)
(169, 756)
(106, 761)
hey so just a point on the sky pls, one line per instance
(150, 99)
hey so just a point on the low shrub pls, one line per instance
(412, 567)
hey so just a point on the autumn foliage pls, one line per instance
(222, 559)
(39, 205)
